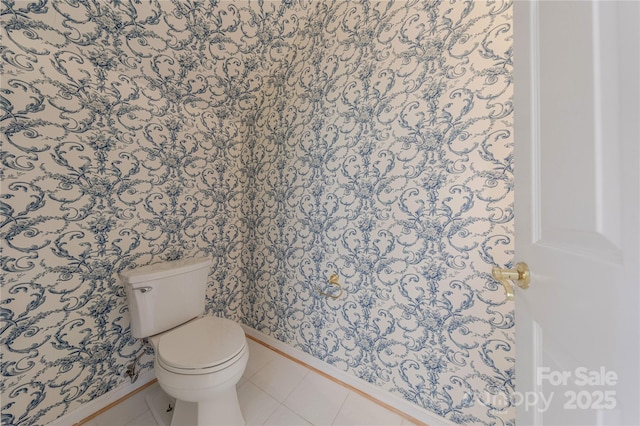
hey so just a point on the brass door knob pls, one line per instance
(520, 275)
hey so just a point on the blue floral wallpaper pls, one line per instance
(286, 140)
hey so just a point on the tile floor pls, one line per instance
(274, 391)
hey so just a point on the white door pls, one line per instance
(577, 212)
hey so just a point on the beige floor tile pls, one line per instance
(316, 399)
(285, 417)
(256, 405)
(279, 377)
(358, 410)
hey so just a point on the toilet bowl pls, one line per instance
(199, 364)
(198, 361)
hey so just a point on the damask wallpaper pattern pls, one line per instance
(286, 140)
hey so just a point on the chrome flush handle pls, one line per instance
(520, 276)
(143, 289)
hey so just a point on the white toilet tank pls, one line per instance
(164, 295)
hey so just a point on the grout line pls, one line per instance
(114, 403)
(344, 401)
(296, 385)
(269, 393)
(340, 382)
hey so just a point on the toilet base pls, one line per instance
(224, 410)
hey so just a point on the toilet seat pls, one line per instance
(202, 346)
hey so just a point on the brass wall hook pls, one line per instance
(333, 280)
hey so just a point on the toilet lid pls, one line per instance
(203, 343)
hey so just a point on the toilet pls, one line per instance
(198, 359)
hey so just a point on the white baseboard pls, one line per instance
(102, 401)
(409, 409)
